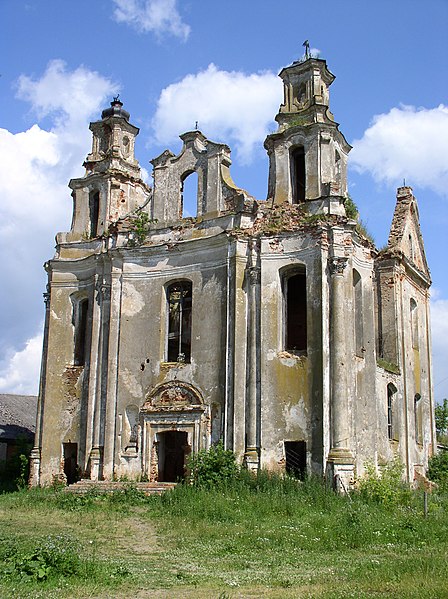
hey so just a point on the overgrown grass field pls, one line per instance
(252, 537)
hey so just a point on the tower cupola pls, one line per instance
(116, 109)
(306, 93)
(308, 153)
(112, 186)
(113, 141)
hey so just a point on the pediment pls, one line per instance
(405, 234)
(173, 396)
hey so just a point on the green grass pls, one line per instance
(254, 538)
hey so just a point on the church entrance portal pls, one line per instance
(172, 446)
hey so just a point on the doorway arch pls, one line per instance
(175, 423)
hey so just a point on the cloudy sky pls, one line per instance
(175, 62)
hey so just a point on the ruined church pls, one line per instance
(273, 325)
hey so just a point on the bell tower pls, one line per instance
(112, 186)
(308, 153)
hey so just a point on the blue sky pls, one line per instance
(175, 62)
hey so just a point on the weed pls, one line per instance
(53, 556)
(389, 366)
(139, 229)
(385, 486)
(351, 209)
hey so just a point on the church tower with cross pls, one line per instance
(273, 325)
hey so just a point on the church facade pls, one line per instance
(273, 325)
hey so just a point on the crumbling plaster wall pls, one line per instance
(143, 320)
(65, 406)
(292, 393)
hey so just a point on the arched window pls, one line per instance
(295, 312)
(418, 417)
(189, 195)
(358, 314)
(391, 409)
(81, 309)
(298, 175)
(179, 298)
(94, 210)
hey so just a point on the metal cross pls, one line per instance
(306, 43)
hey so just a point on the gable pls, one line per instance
(405, 233)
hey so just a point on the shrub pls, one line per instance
(140, 228)
(212, 467)
(386, 486)
(438, 469)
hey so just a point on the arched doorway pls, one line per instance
(174, 422)
(172, 452)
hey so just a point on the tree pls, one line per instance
(441, 413)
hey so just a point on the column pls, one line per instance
(340, 458)
(94, 403)
(252, 453)
(112, 370)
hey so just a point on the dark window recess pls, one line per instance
(81, 332)
(391, 390)
(295, 300)
(71, 469)
(298, 175)
(94, 209)
(179, 322)
(295, 456)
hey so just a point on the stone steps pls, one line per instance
(106, 486)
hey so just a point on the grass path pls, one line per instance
(275, 544)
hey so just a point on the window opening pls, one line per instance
(417, 418)
(81, 332)
(189, 195)
(298, 175)
(295, 312)
(179, 297)
(295, 458)
(94, 208)
(391, 390)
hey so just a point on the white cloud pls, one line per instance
(439, 328)
(157, 16)
(227, 105)
(406, 143)
(20, 374)
(35, 201)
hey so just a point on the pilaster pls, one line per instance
(340, 457)
(252, 453)
(35, 456)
